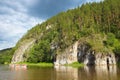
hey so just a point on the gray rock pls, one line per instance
(82, 52)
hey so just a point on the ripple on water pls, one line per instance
(61, 73)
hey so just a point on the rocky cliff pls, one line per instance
(81, 52)
(68, 56)
(89, 34)
(19, 55)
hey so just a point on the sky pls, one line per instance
(18, 16)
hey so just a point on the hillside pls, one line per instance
(97, 25)
(6, 56)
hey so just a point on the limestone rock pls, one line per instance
(19, 53)
(81, 52)
(69, 56)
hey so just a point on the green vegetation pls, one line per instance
(43, 64)
(40, 53)
(97, 24)
(75, 64)
(6, 56)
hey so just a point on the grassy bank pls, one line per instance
(43, 64)
(75, 64)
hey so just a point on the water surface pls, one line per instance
(60, 73)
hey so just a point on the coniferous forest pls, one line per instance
(97, 24)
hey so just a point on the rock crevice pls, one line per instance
(81, 52)
(20, 52)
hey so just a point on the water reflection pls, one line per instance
(18, 66)
(61, 73)
(66, 73)
(98, 73)
(87, 73)
(106, 72)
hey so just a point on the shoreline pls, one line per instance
(44, 64)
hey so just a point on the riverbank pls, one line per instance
(37, 64)
(75, 64)
(43, 64)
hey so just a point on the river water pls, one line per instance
(60, 73)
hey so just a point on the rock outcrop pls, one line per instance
(105, 59)
(20, 52)
(82, 52)
(73, 36)
(67, 57)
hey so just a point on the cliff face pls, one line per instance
(67, 57)
(89, 34)
(20, 52)
(81, 52)
(78, 52)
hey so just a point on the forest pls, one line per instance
(97, 24)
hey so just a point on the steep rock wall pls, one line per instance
(67, 57)
(19, 53)
(82, 52)
(105, 59)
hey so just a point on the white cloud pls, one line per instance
(14, 22)
(15, 18)
(93, 0)
(12, 26)
(6, 44)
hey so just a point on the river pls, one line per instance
(60, 73)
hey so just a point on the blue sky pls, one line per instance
(18, 16)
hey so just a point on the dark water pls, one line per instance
(60, 73)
